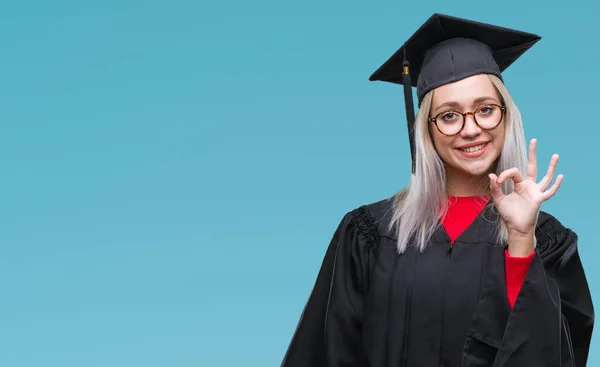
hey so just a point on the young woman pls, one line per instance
(460, 268)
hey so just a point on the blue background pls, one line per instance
(171, 172)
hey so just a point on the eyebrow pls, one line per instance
(453, 104)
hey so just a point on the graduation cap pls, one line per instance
(446, 49)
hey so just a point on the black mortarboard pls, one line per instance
(446, 49)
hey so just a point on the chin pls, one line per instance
(475, 169)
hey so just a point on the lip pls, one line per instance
(472, 144)
(476, 154)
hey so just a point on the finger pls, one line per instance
(550, 193)
(532, 165)
(549, 177)
(512, 173)
(495, 187)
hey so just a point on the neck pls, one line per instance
(463, 184)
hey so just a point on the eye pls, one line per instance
(449, 116)
(485, 110)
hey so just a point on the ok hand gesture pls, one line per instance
(520, 209)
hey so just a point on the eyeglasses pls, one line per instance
(487, 117)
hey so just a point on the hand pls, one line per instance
(520, 209)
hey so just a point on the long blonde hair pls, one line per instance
(418, 207)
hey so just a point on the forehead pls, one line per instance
(464, 92)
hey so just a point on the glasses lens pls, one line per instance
(488, 116)
(449, 122)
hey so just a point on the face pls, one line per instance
(474, 150)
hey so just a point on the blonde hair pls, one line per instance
(418, 208)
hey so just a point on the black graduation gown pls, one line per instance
(447, 306)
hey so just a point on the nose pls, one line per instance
(471, 128)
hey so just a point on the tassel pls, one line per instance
(410, 110)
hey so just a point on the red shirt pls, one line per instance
(462, 211)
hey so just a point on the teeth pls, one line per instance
(474, 149)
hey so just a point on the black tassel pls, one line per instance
(410, 111)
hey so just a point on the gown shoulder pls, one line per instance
(379, 214)
(365, 225)
(549, 229)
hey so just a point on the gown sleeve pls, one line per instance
(552, 320)
(329, 329)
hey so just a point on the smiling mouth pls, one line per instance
(474, 149)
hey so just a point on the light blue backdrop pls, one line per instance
(172, 171)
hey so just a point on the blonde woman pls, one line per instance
(460, 268)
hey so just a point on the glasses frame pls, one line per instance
(464, 116)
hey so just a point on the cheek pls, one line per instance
(441, 143)
(499, 141)
(435, 136)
